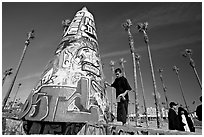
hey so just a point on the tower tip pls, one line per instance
(84, 8)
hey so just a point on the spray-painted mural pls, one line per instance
(71, 87)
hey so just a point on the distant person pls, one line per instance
(190, 122)
(183, 119)
(199, 110)
(174, 123)
(122, 88)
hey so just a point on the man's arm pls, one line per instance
(123, 94)
(107, 84)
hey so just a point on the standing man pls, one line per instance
(199, 110)
(174, 123)
(122, 88)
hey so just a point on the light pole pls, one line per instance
(112, 65)
(187, 53)
(122, 61)
(16, 93)
(137, 56)
(27, 42)
(176, 69)
(142, 27)
(127, 26)
(7, 73)
(164, 87)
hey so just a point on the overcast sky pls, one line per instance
(173, 27)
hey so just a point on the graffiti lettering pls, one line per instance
(48, 78)
(74, 26)
(88, 55)
(75, 23)
(90, 28)
(27, 106)
(41, 103)
(38, 102)
(80, 13)
(91, 68)
(96, 86)
(74, 100)
(90, 39)
(99, 95)
(66, 59)
(39, 107)
(75, 78)
(89, 22)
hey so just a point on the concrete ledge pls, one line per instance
(131, 130)
(106, 129)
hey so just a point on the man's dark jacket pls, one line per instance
(174, 123)
(199, 112)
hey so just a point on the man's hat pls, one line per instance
(173, 104)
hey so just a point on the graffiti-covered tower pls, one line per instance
(71, 88)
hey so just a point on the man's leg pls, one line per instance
(126, 110)
(121, 112)
(119, 108)
(126, 106)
